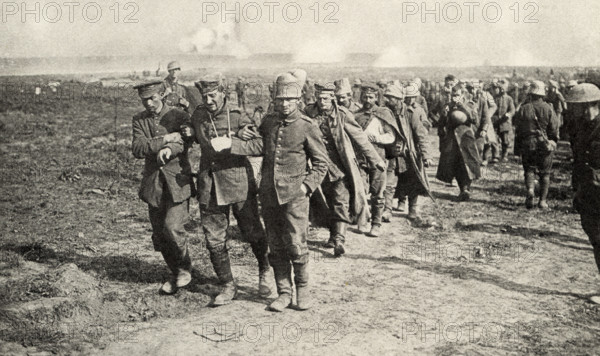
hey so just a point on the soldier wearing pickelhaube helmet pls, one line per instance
(343, 188)
(175, 94)
(536, 135)
(289, 141)
(225, 183)
(584, 100)
(167, 179)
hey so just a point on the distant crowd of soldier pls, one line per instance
(339, 154)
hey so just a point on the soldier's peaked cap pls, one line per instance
(146, 90)
(369, 88)
(210, 83)
(395, 91)
(325, 88)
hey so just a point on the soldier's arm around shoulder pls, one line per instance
(316, 151)
(143, 144)
(255, 145)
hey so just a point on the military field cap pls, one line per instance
(146, 90)
(327, 88)
(342, 86)
(395, 91)
(537, 88)
(210, 83)
(289, 85)
(583, 93)
(552, 83)
(572, 83)
(418, 81)
(369, 88)
(173, 65)
(450, 77)
(411, 90)
(357, 81)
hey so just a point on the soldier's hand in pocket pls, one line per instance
(173, 137)
(164, 155)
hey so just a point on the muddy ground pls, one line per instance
(78, 274)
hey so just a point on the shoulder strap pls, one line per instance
(542, 131)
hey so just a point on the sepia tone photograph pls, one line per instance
(305, 177)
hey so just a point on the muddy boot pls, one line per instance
(260, 252)
(339, 238)
(401, 204)
(530, 185)
(333, 230)
(222, 266)
(375, 230)
(465, 194)
(413, 208)
(388, 196)
(544, 186)
(283, 279)
(303, 299)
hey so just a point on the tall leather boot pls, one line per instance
(332, 232)
(413, 207)
(544, 187)
(303, 299)
(530, 185)
(222, 266)
(260, 251)
(283, 279)
(339, 238)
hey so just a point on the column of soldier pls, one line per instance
(330, 155)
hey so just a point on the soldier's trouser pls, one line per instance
(591, 225)
(391, 181)
(375, 180)
(337, 195)
(505, 144)
(168, 233)
(287, 231)
(462, 176)
(215, 221)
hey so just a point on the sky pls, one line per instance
(550, 32)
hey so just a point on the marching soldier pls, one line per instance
(484, 123)
(288, 140)
(407, 176)
(502, 120)
(556, 99)
(459, 157)
(343, 93)
(225, 182)
(380, 126)
(421, 100)
(536, 136)
(167, 180)
(175, 94)
(342, 187)
(584, 100)
(356, 89)
(240, 90)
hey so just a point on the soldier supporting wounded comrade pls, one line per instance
(167, 180)
(225, 183)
